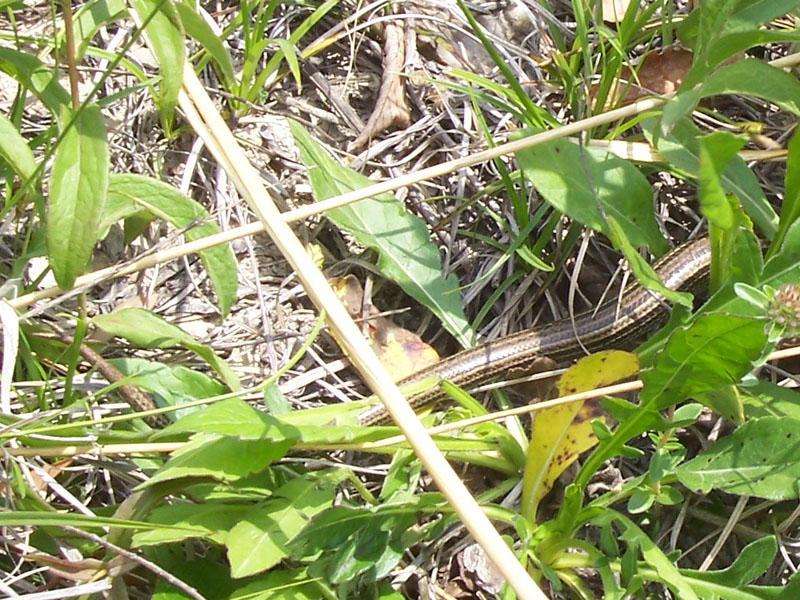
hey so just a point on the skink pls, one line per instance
(613, 325)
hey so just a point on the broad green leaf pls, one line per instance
(676, 110)
(210, 521)
(561, 433)
(588, 183)
(91, 17)
(222, 458)
(132, 194)
(790, 207)
(716, 150)
(234, 417)
(261, 538)
(713, 16)
(199, 30)
(725, 401)
(731, 44)
(750, 15)
(766, 399)
(753, 560)
(644, 272)
(360, 539)
(35, 77)
(165, 35)
(143, 328)
(761, 458)
(753, 77)
(405, 252)
(651, 554)
(714, 351)
(282, 584)
(78, 187)
(14, 149)
(171, 385)
(681, 148)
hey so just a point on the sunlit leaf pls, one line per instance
(78, 187)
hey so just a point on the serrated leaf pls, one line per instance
(135, 194)
(78, 187)
(761, 458)
(561, 433)
(586, 183)
(652, 554)
(222, 458)
(260, 540)
(714, 351)
(165, 35)
(405, 252)
(147, 330)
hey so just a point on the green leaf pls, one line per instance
(234, 417)
(91, 17)
(281, 584)
(652, 554)
(681, 148)
(753, 77)
(753, 560)
(210, 521)
(147, 330)
(766, 399)
(199, 30)
(260, 540)
(134, 194)
(713, 17)
(78, 186)
(36, 78)
(172, 385)
(761, 458)
(716, 150)
(714, 351)
(644, 272)
(222, 458)
(753, 14)
(362, 540)
(790, 207)
(588, 183)
(165, 36)
(405, 252)
(14, 149)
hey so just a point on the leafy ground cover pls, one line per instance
(178, 417)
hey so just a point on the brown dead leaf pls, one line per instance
(391, 109)
(402, 352)
(614, 10)
(660, 73)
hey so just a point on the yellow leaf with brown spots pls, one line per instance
(561, 433)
